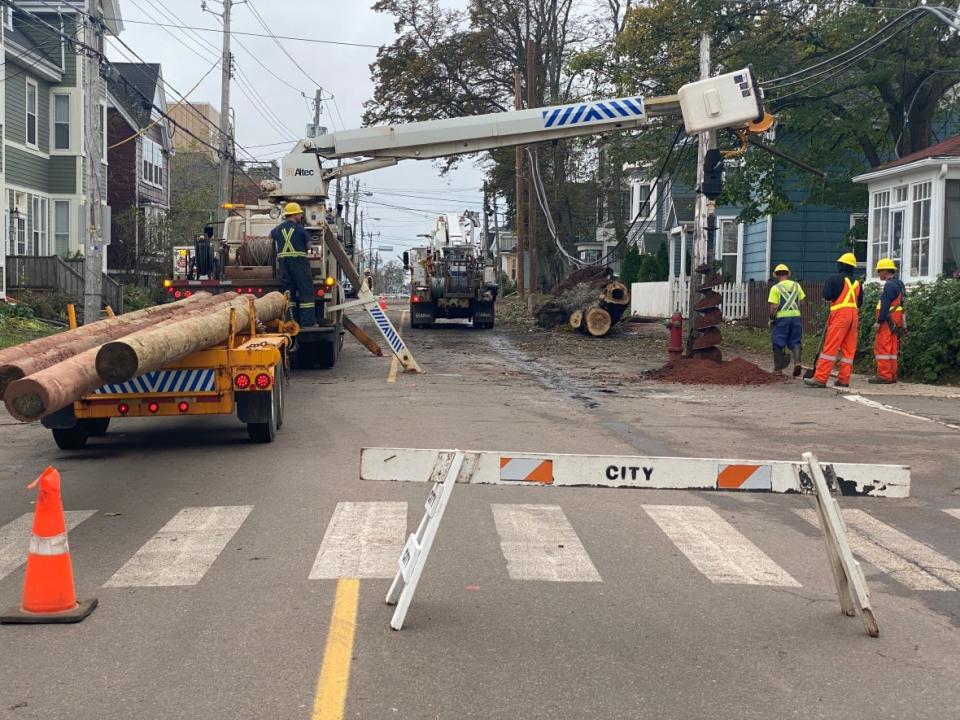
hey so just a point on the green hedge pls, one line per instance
(931, 351)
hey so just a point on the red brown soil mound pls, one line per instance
(707, 372)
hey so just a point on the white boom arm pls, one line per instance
(732, 100)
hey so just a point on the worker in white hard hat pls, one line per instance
(787, 328)
(290, 239)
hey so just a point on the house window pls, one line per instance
(31, 113)
(38, 225)
(61, 122)
(20, 211)
(880, 219)
(152, 163)
(951, 230)
(901, 194)
(920, 235)
(729, 250)
(61, 226)
(857, 237)
(646, 201)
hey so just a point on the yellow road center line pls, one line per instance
(331, 697)
(394, 365)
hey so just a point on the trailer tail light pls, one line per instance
(178, 294)
(169, 289)
(414, 298)
(242, 381)
(187, 293)
(154, 407)
(263, 381)
(330, 282)
(183, 406)
(123, 408)
(259, 291)
(321, 293)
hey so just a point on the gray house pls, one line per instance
(45, 141)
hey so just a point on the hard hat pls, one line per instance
(292, 208)
(848, 259)
(886, 264)
(781, 268)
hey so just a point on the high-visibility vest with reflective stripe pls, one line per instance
(896, 309)
(288, 249)
(789, 299)
(849, 297)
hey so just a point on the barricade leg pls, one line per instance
(847, 573)
(413, 558)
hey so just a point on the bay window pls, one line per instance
(920, 235)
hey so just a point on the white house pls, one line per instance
(915, 212)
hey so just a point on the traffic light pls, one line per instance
(712, 175)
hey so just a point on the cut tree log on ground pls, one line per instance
(48, 390)
(36, 358)
(610, 295)
(150, 350)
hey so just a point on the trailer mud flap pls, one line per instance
(254, 407)
(62, 419)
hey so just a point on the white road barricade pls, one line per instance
(664, 473)
(446, 468)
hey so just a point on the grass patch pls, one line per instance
(757, 340)
(17, 330)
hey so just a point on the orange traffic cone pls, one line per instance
(48, 592)
(383, 301)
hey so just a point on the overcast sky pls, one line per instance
(342, 71)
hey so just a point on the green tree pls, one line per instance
(630, 268)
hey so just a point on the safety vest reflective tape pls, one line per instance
(288, 249)
(885, 357)
(789, 292)
(850, 293)
(895, 306)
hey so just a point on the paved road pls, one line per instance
(236, 581)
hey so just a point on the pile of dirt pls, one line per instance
(707, 372)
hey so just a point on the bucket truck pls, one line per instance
(732, 100)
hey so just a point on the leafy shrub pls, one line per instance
(49, 306)
(137, 298)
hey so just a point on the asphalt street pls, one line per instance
(248, 581)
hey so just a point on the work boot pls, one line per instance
(797, 352)
(797, 370)
(881, 381)
(813, 382)
(841, 384)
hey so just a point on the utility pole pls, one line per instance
(226, 149)
(531, 188)
(94, 144)
(703, 212)
(518, 168)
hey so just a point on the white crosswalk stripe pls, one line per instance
(184, 549)
(363, 540)
(953, 511)
(15, 538)
(538, 543)
(716, 548)
(906, 560)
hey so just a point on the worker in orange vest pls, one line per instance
(890, 323)
(840, 341)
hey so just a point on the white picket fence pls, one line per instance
(662, 299)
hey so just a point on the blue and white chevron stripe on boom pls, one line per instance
(165, 381)
(380, 318)
(604, 110)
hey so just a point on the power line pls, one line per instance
(246, 34)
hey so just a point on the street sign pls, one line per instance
(385, 248)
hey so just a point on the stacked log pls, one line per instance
(193, 328)
(598, 318)
(22, 360)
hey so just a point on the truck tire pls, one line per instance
(74, 438)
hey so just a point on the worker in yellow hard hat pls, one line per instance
(845, 296)
(290, 239)
(787, 329)
(890, 323)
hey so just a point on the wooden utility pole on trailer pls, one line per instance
(703, 209)
(518, 168)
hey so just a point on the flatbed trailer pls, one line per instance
(246, 375)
